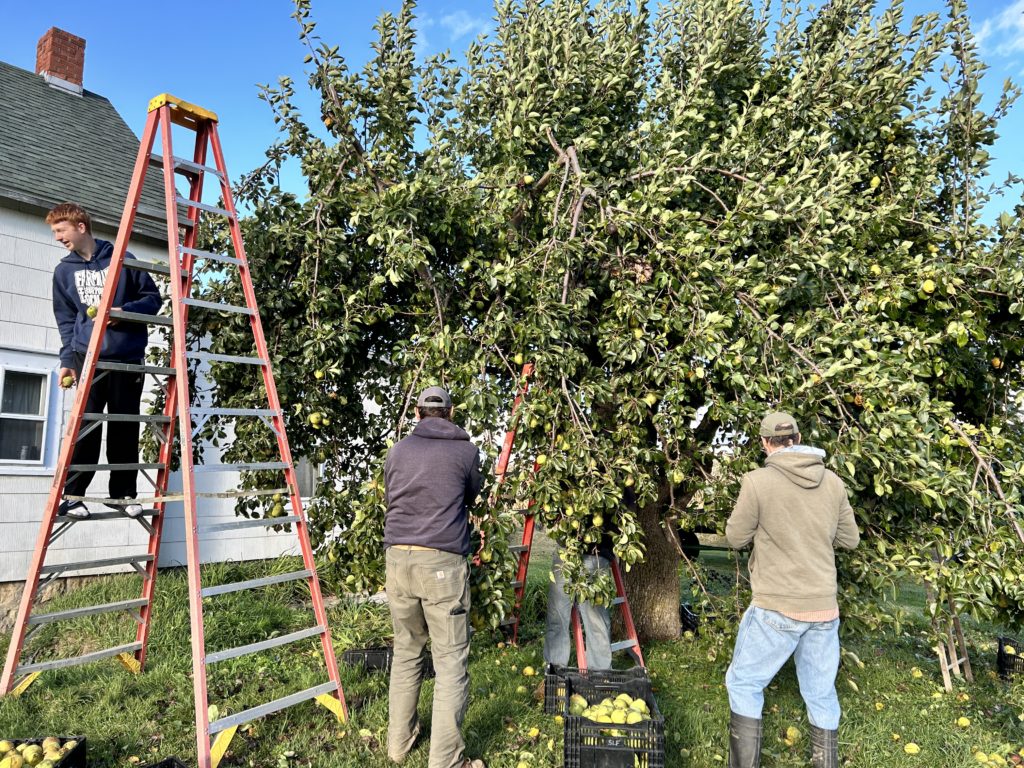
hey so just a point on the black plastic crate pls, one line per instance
(689, 620)
(554, 682)
(170, 762)
(1009, 664)
(75, 758)
(589, 744)
(379, 660)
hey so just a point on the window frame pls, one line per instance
(47, 385)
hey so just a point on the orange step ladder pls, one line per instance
(511, 624)
(182, 214)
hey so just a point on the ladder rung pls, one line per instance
(251, 714)
(86, 564)
(252, 467)
(239, 494)
(516, 584)
(147, 266)
(218, 306)
(210, 255)
(203, 206)
(108, 515)
(141, 417)
(212, 357)
(153, 370)
(41, 666)
(260, 522)
(141, 317)
(158, 215)
(274, 642)
(112, 467)
(519, 549)
(509, 622)
(618, 600)
(267, 581)
(74, 613)
(623, 645)
(187, 166)
(234, 412)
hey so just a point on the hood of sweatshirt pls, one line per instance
(104, 250)
(434, 428)
(802, 465)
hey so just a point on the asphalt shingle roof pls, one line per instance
(56, 146)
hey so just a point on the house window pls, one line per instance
(24, 398)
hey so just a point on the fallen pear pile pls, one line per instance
(47, 754)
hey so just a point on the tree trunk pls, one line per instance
(652, 586)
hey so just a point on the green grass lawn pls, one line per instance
(130, 719)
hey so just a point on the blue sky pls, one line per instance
(136, 50)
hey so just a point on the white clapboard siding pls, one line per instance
(29, 338)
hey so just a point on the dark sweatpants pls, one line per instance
(116, 392)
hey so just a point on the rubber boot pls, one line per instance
(744, 741)
(824, 748)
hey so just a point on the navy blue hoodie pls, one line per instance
(78, 284)
(429, 479)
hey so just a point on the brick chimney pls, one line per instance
(60, 59)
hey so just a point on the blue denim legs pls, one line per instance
(597, 623)
(765, 641)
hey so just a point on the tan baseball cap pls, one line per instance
(779, 424)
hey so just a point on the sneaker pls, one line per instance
(477, 763)
(75, 509)
(133, 510)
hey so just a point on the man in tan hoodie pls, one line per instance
(795, 512)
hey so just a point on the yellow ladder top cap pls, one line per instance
(188, 108)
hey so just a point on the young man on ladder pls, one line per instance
(78, 284)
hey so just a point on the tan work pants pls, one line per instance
(428, 594)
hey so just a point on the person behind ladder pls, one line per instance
(78, 284)
(430, 479)
(796, 513)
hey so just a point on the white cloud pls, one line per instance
(460, 24)
(1004, 32)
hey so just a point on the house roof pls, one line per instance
(56, 146)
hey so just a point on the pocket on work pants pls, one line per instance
(446, 599)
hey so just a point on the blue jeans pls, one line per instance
(597, 624)
(764, 643)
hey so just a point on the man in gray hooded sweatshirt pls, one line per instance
(796, 512)
(430, 478)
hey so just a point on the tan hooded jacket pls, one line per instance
(796, 512)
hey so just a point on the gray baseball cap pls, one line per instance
(779, 424)
(434, 397)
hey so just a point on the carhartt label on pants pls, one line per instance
(440, 575)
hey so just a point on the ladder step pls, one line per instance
(218, 306)
(516, 584)
(92, 610)
(234, 412)
(256, 712)
(518, 549)
(274, 642)
(25, 669)
(203, 206)
(212, 357)
(185, 167)
(618, 600)
(86, 564)
(251, 467)
(140, 317)
(623, 645)
(141, 417)
(112, 467)
(107, 515)
(158, 215)
(147, 266)
(267, 581)
(508, 622)
(152, 370)
(210, 255)
(261, 522)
